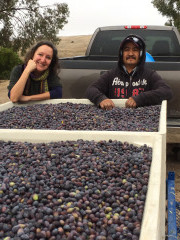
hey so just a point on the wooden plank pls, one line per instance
(153, 226)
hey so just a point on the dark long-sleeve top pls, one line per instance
(145, 86)
(54, 85)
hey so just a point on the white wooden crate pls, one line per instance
(118, 103)
(153, 225)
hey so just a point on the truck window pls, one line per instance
(158, 42)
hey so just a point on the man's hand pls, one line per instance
(130, 103)
(107, 104)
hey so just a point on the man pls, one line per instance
(130, 80)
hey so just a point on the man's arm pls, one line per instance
(158, 91)
(99, 90)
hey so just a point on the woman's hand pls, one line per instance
(24, 98)
(31, 66)
(36, 97)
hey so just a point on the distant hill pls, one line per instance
(73, 45)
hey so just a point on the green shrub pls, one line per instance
(8, 59)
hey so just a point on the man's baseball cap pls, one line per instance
(138, 41)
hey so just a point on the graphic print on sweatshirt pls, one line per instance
(123, 87)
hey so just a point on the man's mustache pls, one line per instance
(131, 57)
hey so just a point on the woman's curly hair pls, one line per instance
(54, 66)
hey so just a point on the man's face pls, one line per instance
(131, 55)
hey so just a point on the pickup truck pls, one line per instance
(162, 42)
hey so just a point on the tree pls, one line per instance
(8, 59)
(23, 22)
(171, 9)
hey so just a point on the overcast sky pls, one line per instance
(87, 15)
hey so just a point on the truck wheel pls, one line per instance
(178, 155)
(176, 150)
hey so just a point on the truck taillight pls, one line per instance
(135, 27)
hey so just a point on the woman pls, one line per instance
(37, 78)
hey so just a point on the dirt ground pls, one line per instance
(76, 46)
(3, 91)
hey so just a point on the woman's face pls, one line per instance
(43, 57)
